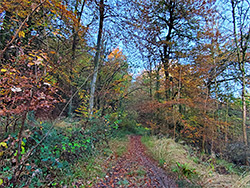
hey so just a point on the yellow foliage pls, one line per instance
(52, 52)
(3, 70)
(3, 144)
(116, 53)
(83, 109)
(21, 34)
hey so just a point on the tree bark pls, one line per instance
(150, 81)
(244, 114)
(167, 49)
(96, 59)
(157, 87)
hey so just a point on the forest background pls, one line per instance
(75, 62)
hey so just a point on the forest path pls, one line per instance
(136, 169)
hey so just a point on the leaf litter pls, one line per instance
(136, 169)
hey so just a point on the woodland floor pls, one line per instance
(136, 169)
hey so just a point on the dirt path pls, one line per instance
(136, 169)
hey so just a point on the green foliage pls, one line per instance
(162, 162)
(229, 167)
(90, 169)
(196, 159)
(129, 125)
(140, 172)
(184, 170)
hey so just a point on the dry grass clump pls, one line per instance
(243, 181)
(63, 124)
(171, 153)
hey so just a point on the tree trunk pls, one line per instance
(167, 83)
(227, 128)
(244, 115)
(204, 136)
(167, 49)
(96, 59)
(177, 107)
(157, 87)
(150, 81)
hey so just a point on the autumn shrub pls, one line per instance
(128, 120)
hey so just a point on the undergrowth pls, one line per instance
(191, 169)
(88, 171)
(67, 145)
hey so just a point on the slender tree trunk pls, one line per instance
(174, 120)
(167, 82)
(157, 87)
(150, 81)
(244, 115)
(96, 59)
(204, 136)
(226, 131)
(176, 107)
(216, 117)
(7, 123)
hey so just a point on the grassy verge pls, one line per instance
(191, 169)
(118, 146)
(88, 171)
